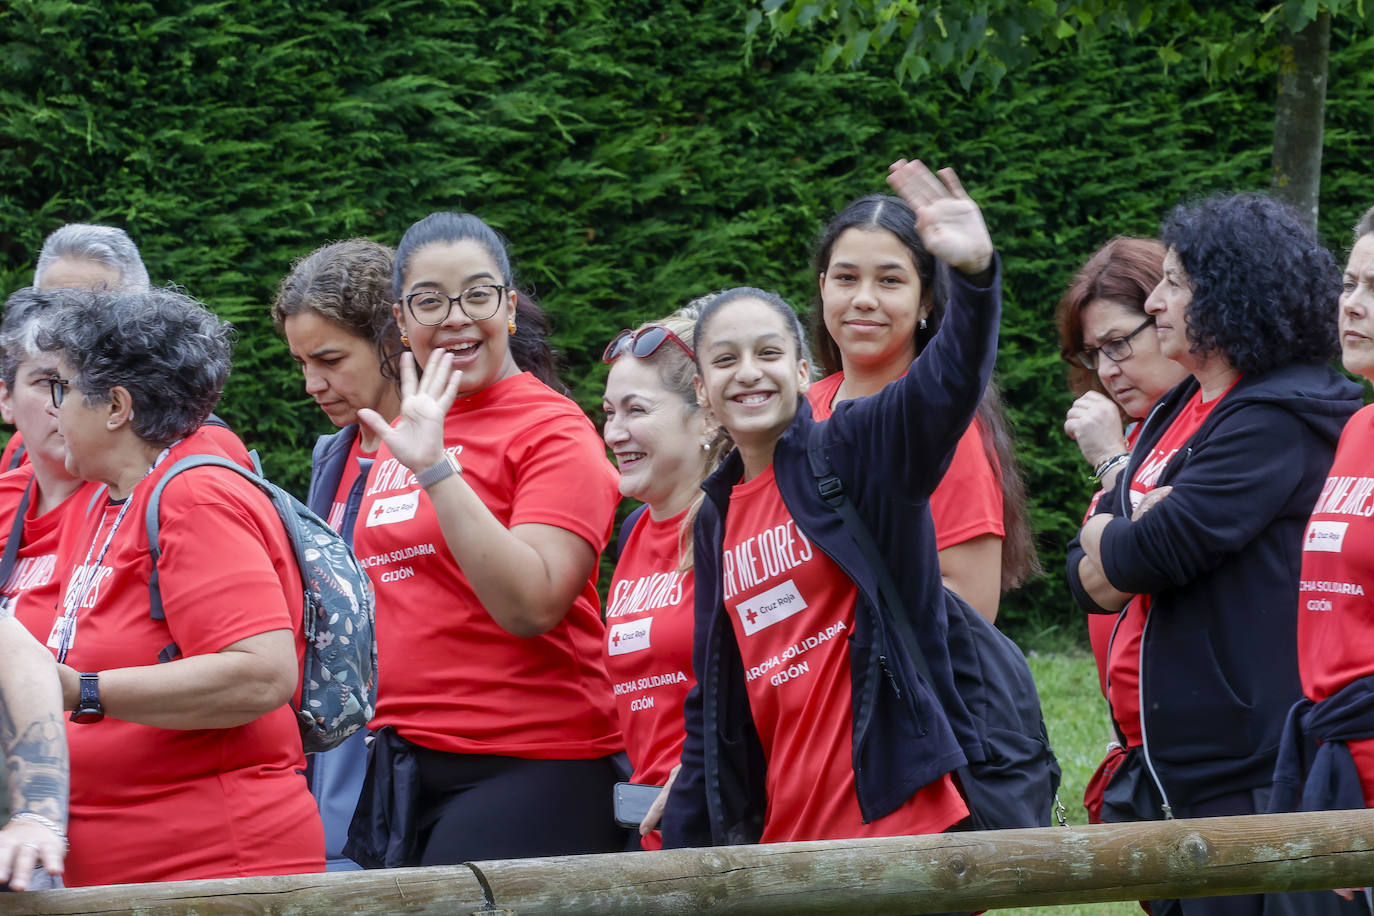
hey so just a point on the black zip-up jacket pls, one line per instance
(890, 450)
(1220, 558)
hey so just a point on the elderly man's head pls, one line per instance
(83, 256)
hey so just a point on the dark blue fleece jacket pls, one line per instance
(890, 450)
(1220, 558)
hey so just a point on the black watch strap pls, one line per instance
(88, 707)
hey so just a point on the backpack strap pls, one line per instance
(151, 518)
(16, 535)
(18, 457)
(832, 492)
(626, 527)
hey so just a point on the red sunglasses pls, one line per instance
(643, 343)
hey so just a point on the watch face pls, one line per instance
(85, 716)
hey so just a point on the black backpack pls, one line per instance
(1017, 782)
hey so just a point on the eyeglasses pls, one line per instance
(477, 302)
(57, 387)
(1116, 349)
(643, 344)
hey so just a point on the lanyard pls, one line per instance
(89, 573)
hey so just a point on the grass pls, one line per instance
(1076, 716)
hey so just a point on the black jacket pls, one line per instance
(890, 450)
(1220, 557)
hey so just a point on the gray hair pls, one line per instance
(16, 331)
(103, 244)
(1365, 225)
(164, 347)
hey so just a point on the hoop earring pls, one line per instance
(510, 324)
(405, 341)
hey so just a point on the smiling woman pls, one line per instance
(790, 653)
(879, 304)
(488, 505)
(665, 443)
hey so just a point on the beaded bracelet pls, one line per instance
(40, 819)
(1110, 463)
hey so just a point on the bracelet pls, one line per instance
(40, 819)
(1110, 463)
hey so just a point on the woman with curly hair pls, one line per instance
(334, 309)
(1204, 528)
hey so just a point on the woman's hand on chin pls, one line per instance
(417, 439)
(948, 221)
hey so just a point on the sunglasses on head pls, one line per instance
(642, 344)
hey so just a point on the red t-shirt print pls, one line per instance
(792, 610)
(1335, 617)
(649, 649)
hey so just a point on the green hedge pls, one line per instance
(632, 152)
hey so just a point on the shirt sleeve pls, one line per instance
(564, 479)
(967, 503)
(221, 574)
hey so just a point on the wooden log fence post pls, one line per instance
(923, 874)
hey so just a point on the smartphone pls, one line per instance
(632, 801)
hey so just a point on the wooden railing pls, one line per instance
(923, 874)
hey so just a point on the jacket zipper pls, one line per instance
(1165, 807)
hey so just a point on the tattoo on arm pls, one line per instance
(36, 759)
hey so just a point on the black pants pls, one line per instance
(478, 806)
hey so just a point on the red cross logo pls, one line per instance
(751, 617)
(615, 640)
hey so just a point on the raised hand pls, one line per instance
(947, 220)
(1094, 422)
(417, 439)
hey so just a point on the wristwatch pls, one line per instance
(88, 709)
(442, 469)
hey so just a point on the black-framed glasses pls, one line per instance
(1116, 349)
(643, 343)
(57, 387)
(430, 306)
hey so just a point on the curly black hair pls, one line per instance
(1264, 288)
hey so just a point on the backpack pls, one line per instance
(1017, 782)
(339, 674)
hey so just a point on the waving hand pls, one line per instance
(948, 221)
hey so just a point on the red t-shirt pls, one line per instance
(351, 470)
(1123, 662)
(154, 804)
(1335, 616)
(1100, 626)
(449, 677)
(967, 502)
(792, 610)
(42, 561)
(649, 648)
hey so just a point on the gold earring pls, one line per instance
(510, 324)
(405, 341)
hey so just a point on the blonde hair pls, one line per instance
(677, 372)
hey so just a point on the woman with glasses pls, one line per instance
(665, 444)
(1205, 523)
(808, 720)
(878, 305)
(1115, 368)
(186, 756)
(483, 517)
(334, 309)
